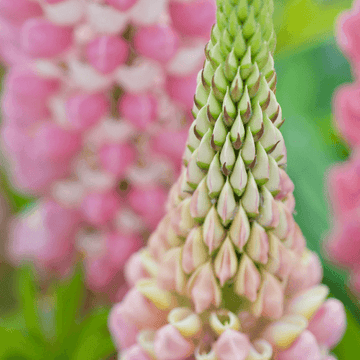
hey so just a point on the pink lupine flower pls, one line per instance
(347, 113)
(95, 97)
(226, 274)
(44, 235)
(342, 245)
(349, 34)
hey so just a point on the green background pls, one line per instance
(58, 323)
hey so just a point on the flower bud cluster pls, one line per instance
(343, 244)
(96, 95)
(226, 274)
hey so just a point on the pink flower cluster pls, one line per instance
(96, 95)
(343, 245)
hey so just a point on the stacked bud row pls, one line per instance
(96, 94)
(343, 244)
(226, 274)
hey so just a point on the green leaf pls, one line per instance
(69, 301)
(304, 23)
(94, 341)
(16, 342)
(28, 300)
(349, 347)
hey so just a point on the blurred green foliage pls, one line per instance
(53, 324)
(56, 323)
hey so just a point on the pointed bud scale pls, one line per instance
(213, 231)
(268, 140)
(219, 134)
(250, 24)
(194, 174)
(242, 10)
(232, 345)
(251, 197)
(231, 66)
(278, 120)
(286, 222)
(182, 219)
(195, 111)
(222, 320)
(200, 202)
(195, 252)
(273, 185)
(308, 302)
(226, 262)
(239, 231)
(227, 156)
(237, 133)
(204, 288)
(269, 212)
(256, 122)
(253, 81)
(258, 245)
(171, 276)
(202, 122)
(286, 185)
(263, 94)
(246, 65)
(279, 152)
(238, 178)
(269, 69)
(207, 74)
(285, 331)
(169, 344)
(236, 88)
(186, 156)
(185, 321)
(247, 280)
(219, 83)
(162, 299)
(215, 179)
(255, 41)
(273, 264)
(248, 151)
(229, 109)
(270, 301)
(262, 57)
(205, 152)
(226, 204)
(193, 142)
(216, 56)
(244, 106)
(201, 95)
(273, 109)
(261, 170)
(239, 44)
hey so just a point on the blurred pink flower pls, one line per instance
(342, 245)
(95, 97)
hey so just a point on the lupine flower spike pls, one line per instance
(343, 243)
(97, 92)
(227, 275)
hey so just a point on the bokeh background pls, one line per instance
(60, 323)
